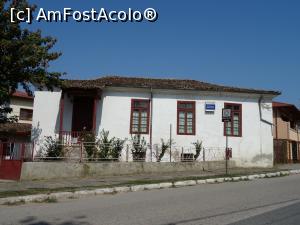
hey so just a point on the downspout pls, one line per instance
(276, 123)
(151, 113)
(260, 113)
(61, 115)
(298, 143)
(276, 135)
(262, 120)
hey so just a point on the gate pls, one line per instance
(280, 152)
(11, 157)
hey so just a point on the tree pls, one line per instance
(24, 57)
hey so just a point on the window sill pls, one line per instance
(233, 135)
(139, 132)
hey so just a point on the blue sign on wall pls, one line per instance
(210, 107)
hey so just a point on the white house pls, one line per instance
(188, 110)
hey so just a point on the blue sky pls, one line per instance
(252, 44)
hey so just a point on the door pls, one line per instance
(294, 151)
(82, 118)
(280, 151)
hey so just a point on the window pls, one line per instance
(186, 118)
(234, 127)
(139, 122)
(25, 114)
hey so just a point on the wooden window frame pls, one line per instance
(240, 119)
(193, 110)
(26, 119)
(140, 109)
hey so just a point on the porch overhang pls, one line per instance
(75, 93)
(93, 92)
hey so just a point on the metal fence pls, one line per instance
(95, 152)
(92, 152)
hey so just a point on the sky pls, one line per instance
(249, 43)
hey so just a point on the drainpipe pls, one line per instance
(151, 113)
(276, 132)
(61, 114)
(298, 142)
(262, 120)
(276, 123)
(260, 113)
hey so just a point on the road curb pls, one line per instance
(133, 188)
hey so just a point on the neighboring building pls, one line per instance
(286, 133)
(22, 108)
(126, 106)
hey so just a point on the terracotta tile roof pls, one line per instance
(290, 109)
(21, 94)
(282, 104)
(155, 83)
(16, 128)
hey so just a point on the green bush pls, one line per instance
(89, 139)
(198, 147)
(110, 148)
(117, 146)
(139, 148)
(164, 147)
(52, 148)
(105, 144)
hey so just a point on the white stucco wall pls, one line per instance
(45, 120)
(254, 148)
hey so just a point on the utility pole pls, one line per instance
(170, 143)
(226, 117)
(226, 155)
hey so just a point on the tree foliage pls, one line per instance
(24, 56)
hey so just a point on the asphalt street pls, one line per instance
(264, 201)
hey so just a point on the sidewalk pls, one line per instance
(17, 188)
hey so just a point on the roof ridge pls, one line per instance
(161, 83)
(148, 78)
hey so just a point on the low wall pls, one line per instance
(54, 170)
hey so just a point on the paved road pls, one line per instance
(266, 201)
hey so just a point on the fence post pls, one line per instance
(170, 142)
(127, 152)
(81, 149)
(32, 145)
(226, 155)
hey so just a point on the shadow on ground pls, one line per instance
(78, 220)
(289, 215)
